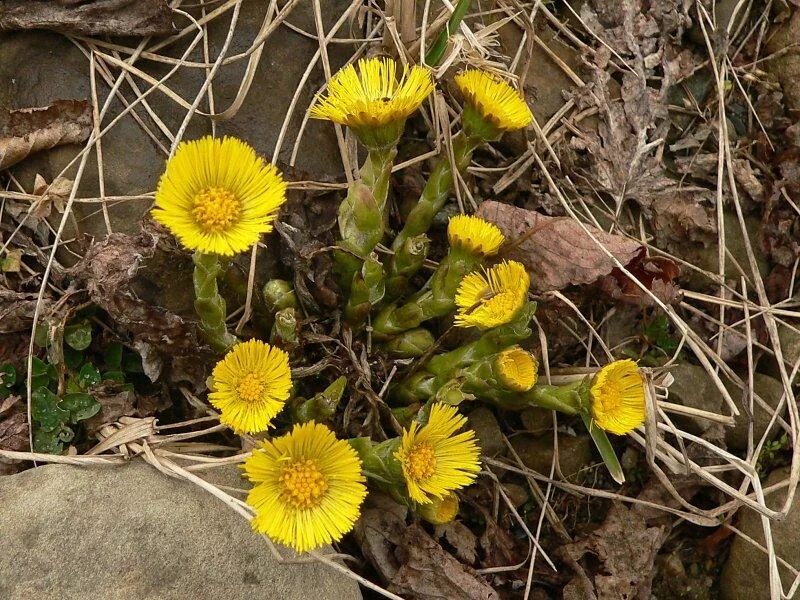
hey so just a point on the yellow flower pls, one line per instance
(370, 96)
(250, 386)
(440, 512)
(494, 99)
(617, 397)
(434, 460)
(517, 369)
(493, 297)
(217, 196)
(475, 235)
(309, 487)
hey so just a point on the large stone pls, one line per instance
(746, 572)
(574, 452)
(490, 437)
(693, 387)
(132, 533)
(771, 391)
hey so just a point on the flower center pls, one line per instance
(215, 209)
(303, 484)
(421, 461)
(251, 387)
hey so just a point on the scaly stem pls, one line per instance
(209, 304)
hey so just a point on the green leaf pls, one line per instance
(78, 336)
(45, 410)
(47, 442)
(605, 448)
(80, 406)
(8, 375)
(38, 367)
(113, 356)
(73, 386)
(132, 362)
(434, 55)
(73, 359)
(40, 335)
(116, 376)
(89, 376)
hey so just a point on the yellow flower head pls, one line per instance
(217, 196)
(475, 235)
(494, 99)
(434, 459)
(369, 95)
(492, 298)
(250, 386)
(440, 511)
(309, 487)
(517, 369)
(617, 397)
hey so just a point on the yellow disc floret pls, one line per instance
(217, 196)
(250, 385)
(492, 298)
(435, 460)
(308, 487)
(617, 397)
(475, 235)
(494, 99)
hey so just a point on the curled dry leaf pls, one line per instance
(115, 401)
(52, 195)
(428, 572)
(24, 131)
(556, 250)
(657, 274)
(16, 310)
(623, 550)
(108, 270)
(89, 17)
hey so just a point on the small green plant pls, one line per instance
(770, 456)
(63, 382)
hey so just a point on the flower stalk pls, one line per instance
(209, 303)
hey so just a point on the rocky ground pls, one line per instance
(671, 126)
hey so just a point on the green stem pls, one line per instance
(362, 214)
(437, 189)
(564, 398)
(209, 304)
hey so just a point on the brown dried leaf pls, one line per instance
(108, 269)
(379, 530)
(115, 402)
(89, 17)
(430, 573)
(16, 310)
(556, 250)
(657, 274)
(53, 195)
(461, 538)
(625, 548)
(24, 131)
(14, 437)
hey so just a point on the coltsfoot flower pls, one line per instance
(617, 399)
(494, 99)
(493, 297)
(440, 511)
(517, 369)
(368, 96)
(250, 386)
(309, 487)
(217, 196)
(435, 460)
(477, 236)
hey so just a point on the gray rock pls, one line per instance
(132, 533)
(746, 572)
(536, 420)
(771, 391)
(693, 387)
(490, 438)
(574, 452)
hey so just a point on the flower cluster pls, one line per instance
(218, 197)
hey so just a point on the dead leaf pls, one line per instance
(12, 261)
(53, 195)
(14, 437)
(427, 572)
(657, 274)
(555, 250)
(461, 538)
(623, 550)
(16, 310)
(115, 402)
(379, 530)
(108, 270)
(89, 17)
